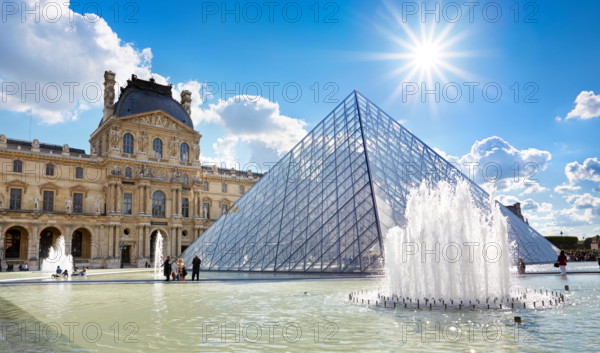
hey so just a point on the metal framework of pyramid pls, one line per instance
(328, 203)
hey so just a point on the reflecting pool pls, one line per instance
(228, 312)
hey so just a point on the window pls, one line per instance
(206, 210)
(128, 172)
(16, 196)
(77, 202)
(13, 244)
(127, 203)
(242, 189)
(223, 187)
(76, 243)
(78, 173)
(17, 166)
(157, 147)
(48, 205)
(223, 209)
(205, 186)
(128, 143)
(158, 204)
(50, 169)
(184, 152)
(185, 207)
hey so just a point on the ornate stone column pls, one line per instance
(119, 197)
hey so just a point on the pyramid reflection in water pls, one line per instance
(326, 205)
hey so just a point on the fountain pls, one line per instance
(158, 254)
(449, 247)
(57, 256)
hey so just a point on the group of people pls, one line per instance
(176, 270)
(561, 262)
(65, 273)
(11, 267)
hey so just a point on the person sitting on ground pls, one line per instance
(26, 267)
(84, 271)
(20, 267)
(65, 273)
(10, 268)
(58, 270)
(75, 273)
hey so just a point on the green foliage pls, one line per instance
(587, 243)
(561, 242)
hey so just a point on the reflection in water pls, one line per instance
(307, 315)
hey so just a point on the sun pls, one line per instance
(427, 56)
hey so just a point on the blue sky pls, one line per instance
(263, 73)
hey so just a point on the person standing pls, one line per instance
(167, 268)
(182, 270)
(562, 263)
(175, 270)
(196, 268)
(521, 266)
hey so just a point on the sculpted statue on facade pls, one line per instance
(143, 141)
(114, 137)
(186, 101)
(174, 146)
(195, 152)
(69, 206)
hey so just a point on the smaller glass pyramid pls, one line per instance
(325, 206)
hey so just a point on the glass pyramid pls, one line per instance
(326, 205)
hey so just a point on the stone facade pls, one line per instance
(142, 175)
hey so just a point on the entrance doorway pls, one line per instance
(126, 254)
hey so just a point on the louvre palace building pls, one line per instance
(142, 176)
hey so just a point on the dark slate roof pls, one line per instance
(142, 96)
(43, 146)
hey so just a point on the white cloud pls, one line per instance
(585, 202)
(52, 67)
(587, 106)
(494, 160)
(533, 206)
(256, 122)
(563, 188)
(589, 170)
(507, 199)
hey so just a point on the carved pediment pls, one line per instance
(16, 184)
(157, 118)
(78, 189)
(50, 186)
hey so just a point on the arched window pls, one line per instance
(13, 244)
(79, 173)
(157, 147)
(17, 166)
(184, 152)
(50, 169)
(158, 204)
(76, 243)
(128, 143)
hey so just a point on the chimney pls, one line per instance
(109, 95)
(186, 101)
